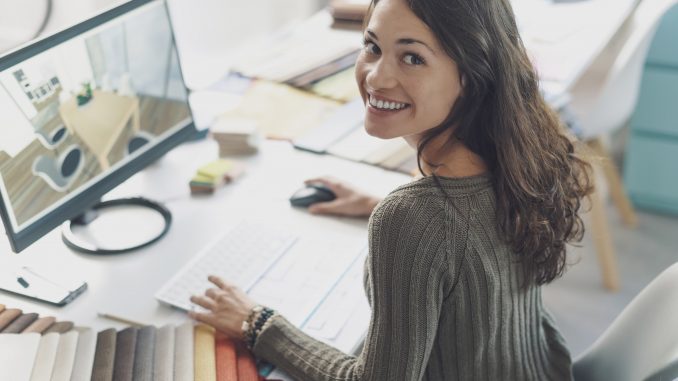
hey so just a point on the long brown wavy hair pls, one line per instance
(538, 177)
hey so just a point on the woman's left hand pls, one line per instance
(228, 306)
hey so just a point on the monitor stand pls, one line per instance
(76, 236)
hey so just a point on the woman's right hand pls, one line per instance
(350, 202)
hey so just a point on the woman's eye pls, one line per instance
(413, 59)
(371, 47)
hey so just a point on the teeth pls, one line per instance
(385, 105)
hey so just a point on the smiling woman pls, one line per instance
(456, 258)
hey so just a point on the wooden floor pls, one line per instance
(30, 194)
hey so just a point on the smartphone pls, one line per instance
(41, 285)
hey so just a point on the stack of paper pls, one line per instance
(235, 136)
(348, 14)
(308, 46)
(215, 174)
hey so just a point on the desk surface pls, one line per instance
(125, 284)
(563, 39)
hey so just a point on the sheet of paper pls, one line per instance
(281, 111)
(356, 146)
(340, 86)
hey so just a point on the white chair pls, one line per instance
(603, 100)
(642, 342)
(61, 172)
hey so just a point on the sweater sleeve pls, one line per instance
(409, 278)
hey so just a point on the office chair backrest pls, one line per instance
(642, 342)
(619, 70)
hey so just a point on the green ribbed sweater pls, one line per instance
(445, 295)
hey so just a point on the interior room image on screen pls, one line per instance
(79, 110)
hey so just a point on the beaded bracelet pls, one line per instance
(255, 324)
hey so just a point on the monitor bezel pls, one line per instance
(76, 205)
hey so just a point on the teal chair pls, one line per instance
(651, 162)
(641, 344)
(603, 101)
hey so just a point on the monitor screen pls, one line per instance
(82, 111)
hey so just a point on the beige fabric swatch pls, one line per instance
(183, 352)
(205, 360)
(63, 364)
(40, 325)
(17, 355)
(7, 317)
(44, 359)
(84, 355)
(163, 362)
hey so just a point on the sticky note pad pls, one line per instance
(216, 169)
(205, 180)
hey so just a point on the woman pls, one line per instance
(457, 257)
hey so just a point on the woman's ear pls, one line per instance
(463, 81)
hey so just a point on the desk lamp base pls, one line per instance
(77, 243)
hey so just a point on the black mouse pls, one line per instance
(310, 194)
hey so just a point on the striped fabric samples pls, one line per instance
(34, 348)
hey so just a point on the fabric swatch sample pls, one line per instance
(163, 358)
(84, 355)
(44, 359)
(183, 352)
(40, 325)
(20, 323)
(7, 317)
(225, 353)
(205, 362)
(63, 364)
(17, 355)
(143, 354)
(125, 345)
(60, 327)
(247, 367)
(104, 356)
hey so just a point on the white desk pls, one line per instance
(563, 39)
(125, 284)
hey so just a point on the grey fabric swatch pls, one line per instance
(20, 323)
(143, 355)
(60, 327)
(125, 346)
(163, 363)
(104, 357)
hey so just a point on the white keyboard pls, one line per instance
(241, 256)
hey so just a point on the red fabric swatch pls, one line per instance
(247, 367)
(227, 367)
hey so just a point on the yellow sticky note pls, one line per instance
(216, 169)
(202, 179)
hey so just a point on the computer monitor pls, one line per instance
(82, 111)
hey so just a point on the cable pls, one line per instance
(45, 20)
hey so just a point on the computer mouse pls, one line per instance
(311, 194)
